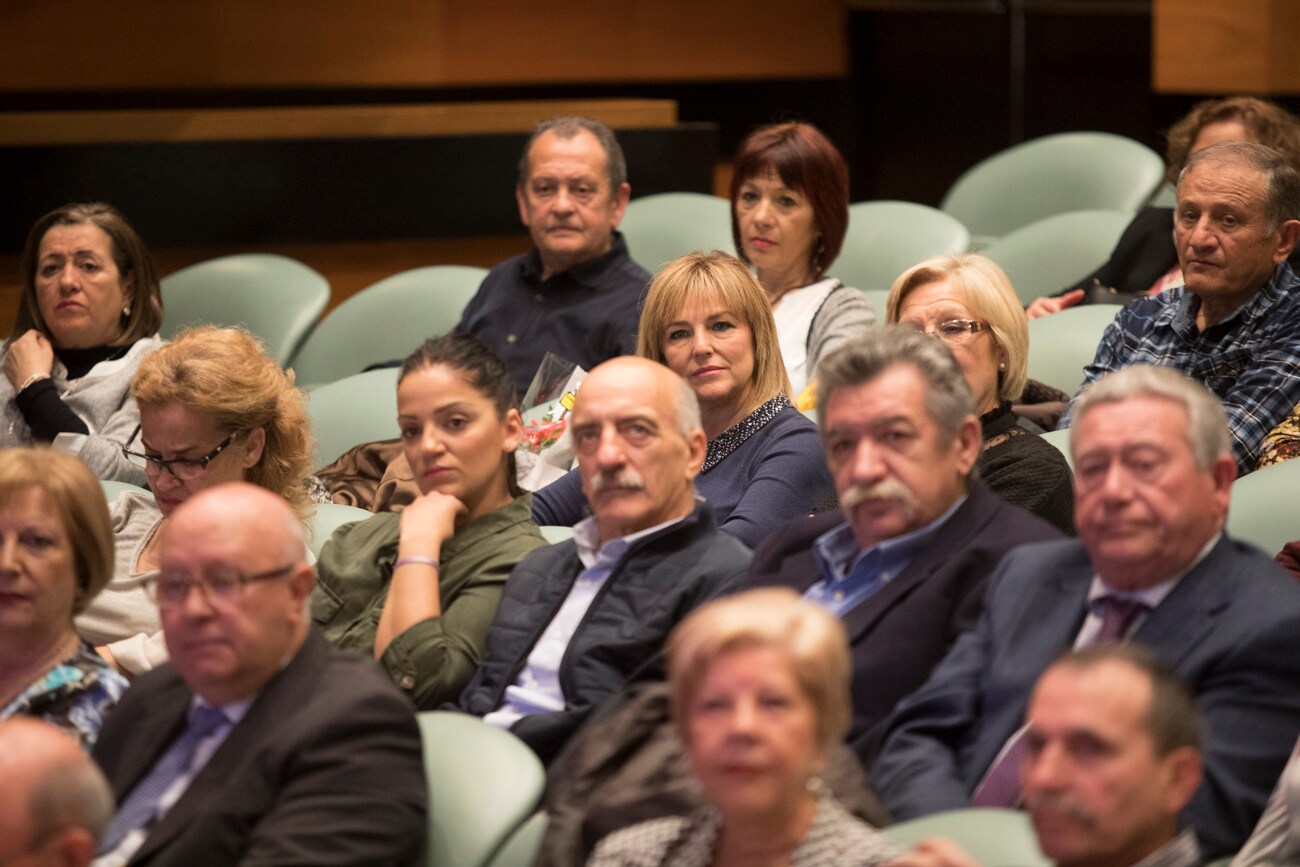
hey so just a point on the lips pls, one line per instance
(8, 597)
(707, 371)
(760, 243)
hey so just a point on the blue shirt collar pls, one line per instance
(836, 551)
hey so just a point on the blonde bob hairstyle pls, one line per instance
(76, 496)
(226, 371)
(988, 296)
(722, 279)
(771, 617)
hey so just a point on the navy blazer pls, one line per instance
(325, 768)
(1229, 628)
(899, 634)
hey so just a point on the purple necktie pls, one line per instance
(1001, 785)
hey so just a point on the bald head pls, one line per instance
(54, 803)
(232, 586)
(636, 428)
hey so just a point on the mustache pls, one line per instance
(624, 478)
(1063, 804)
(885, 489)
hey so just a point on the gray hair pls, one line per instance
(948, 398)
(688, 408)
(1282, 189)
(568, 126)
(1207, 426)
(70, 795)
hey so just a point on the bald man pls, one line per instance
(54, 803)
(258, 742)
(578, 619)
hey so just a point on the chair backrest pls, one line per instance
(1062, 344)
(275, 297)
(386, 321)
(1072, 171)
(356, 409)
(328, 518)
(886, 238)
(1258, 511)
(995, 838)
(521, 849)
(1061, 440)
(663, 226)
(553, 533)
(1058, 251)
(484, 783)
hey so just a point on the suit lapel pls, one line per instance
(153, 731)
(1182, 620)
(278, 700)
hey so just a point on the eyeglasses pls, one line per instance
(951, 330)
(220, 587)
(182, 469)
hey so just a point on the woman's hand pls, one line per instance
(1048, 305)
(28, 356)
(414, 594)
(427, 523)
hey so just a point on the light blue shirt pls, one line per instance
(851, 575)
(538, 689)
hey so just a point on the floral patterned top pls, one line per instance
(74, 695)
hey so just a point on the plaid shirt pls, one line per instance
(1251, 359)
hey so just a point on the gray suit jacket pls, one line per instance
(1229, 627)
(325, 768)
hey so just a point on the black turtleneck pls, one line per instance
(40, 403)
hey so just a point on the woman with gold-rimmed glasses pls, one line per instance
(966, 301)
(214, 408)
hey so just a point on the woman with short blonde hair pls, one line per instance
(966, 301)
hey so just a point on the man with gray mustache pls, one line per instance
(579, 619)
(903, 561)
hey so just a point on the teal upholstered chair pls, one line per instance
(1055, 252)
(663, 226)
(328, 518)
(484, 783)
(275, 297)
(1264, 508)
(1062, 344)
(520, 849)
(995, 838)
(356, 409)
(886, 238)
(385, 321)
(1051, 175)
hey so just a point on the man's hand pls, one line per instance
(28, 356)
(1048, 305)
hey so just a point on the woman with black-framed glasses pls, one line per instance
(214, 408)
(966, 301)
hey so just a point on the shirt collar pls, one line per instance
(1181, 314)
(837, 551)
(586, 535)
(1156, 594)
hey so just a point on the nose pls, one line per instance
(1042, 770)
(562, 203)
(1116, 485)
(867, 465)
(741, 720)
(609, 452)
(9, 555)
(430, 442)
(762, 211)
(1202, 234)
(196, 604)
(702, 343)
(69, 278)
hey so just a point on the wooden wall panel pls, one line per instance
(89, 45)
(1213, 46)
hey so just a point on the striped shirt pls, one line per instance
(1251, 359)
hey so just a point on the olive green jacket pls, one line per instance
(433, 660)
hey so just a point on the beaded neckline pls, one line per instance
(731, 439)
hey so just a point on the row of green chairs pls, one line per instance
(280, 300)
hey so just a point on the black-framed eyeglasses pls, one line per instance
(182, 469)
(220, 587)
(951, 330)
